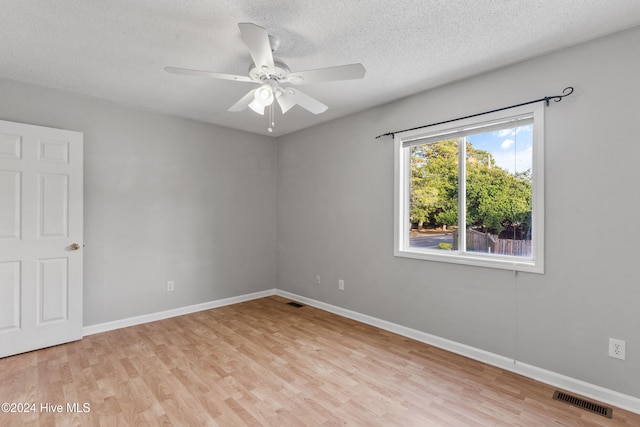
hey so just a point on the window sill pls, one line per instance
(504, 263)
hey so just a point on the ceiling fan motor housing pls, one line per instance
(280, 72)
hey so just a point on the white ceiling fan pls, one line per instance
(272, 73)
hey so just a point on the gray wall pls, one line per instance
(335, 219)
(164, 199)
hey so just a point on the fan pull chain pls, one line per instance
(271, 119)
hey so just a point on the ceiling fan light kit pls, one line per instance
(263, 97)
(271, 74)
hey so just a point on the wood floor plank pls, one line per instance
(266, 363)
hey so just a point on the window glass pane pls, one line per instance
(433, 199)
(498, 192)
(473, 193)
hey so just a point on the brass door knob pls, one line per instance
(75, 246)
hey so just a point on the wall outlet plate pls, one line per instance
(341, 284)
(617, 348)
(170, 286)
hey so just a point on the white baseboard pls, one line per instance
(592, 391)
(573, 385)
(138, 320)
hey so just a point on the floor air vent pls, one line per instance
(295, 304)
(584, 404)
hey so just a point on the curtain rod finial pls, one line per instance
(567, 91)
(385, 134)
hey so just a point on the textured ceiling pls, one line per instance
(117, 49)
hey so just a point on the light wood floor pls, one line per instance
(265, 363)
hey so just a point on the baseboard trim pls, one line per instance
(592, 391)
(152, 317)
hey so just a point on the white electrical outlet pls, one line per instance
(341, 284)
(170, 285)
(617, 348)
(318, 279)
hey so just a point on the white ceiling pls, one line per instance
(117, 49)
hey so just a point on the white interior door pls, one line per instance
(40, 237)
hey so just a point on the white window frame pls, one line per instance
(402, 181)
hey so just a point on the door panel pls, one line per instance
(53, 151)
(10, 291)
(10, 203)
(54, 202)
(40, 220)
(10, 146)
(53, 281)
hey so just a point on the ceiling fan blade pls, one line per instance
(341, 72)
(307, 102)
(244, 102)
(285, 100)
(210, 74)
(257, 40)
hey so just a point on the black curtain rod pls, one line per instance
(567, 91)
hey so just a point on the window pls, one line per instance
(471, 191)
